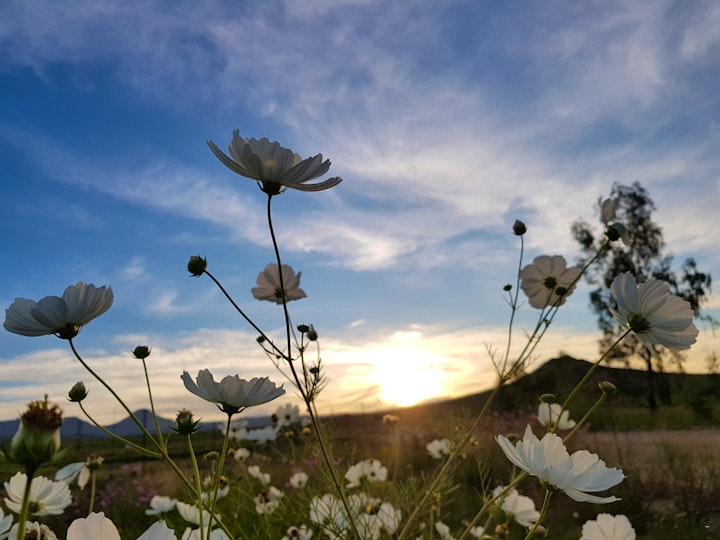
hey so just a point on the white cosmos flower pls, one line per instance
(549, 415)
(439, 448)
(477, 531)
(287, 414)
(275, 168)
(577, 475)
(268, 284)
(33, 530)
(80, 304)
(5, 524)
(607, 527)
(255, 472)
(299, 479)
(329, 512)
(98, 527)
(519, 507)
(232, 394)
(241, 454)
(655, 316)
(390, 517)
(444, 531)
(194, 534)
(160, 504)
(191, 513)
(268, 500)
(548, 281)
(298, 533)
(46, 497)
(369, 470)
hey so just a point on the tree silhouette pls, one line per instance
(641, 252)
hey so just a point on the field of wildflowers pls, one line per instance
(296, 478)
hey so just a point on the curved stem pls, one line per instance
(139, 449)
(198, 486)
(161, 440)
(543, 513)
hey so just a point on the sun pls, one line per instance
(407, 374)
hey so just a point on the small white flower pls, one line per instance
(369, 470)
(608, 527)
(34, 530)
(549, 416)
(260, 435)
(46, 497)
(160, 504)
(477, 531)
(241, 454)
(97, 526)
(191, 513)
(439, 448)
(298, 533)
(232, 394)
(255, 472)
(80, 304)
(269, 288)
(80, 470)
(518, 507)
(328, 511)
(299, 479)
(268, 500)
(444, 531)
(287, 415)
(577, 475)
(655, 316)
(548, 281)
(275, 168)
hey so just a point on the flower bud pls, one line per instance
(37, 440)
(612, 233)
(607, 387)
(312, 334)
(548, 398)
(186, 424)
(519, 228)
(197, 265)
(212, 455)
(507, 288)
(539, 532)
(94, 462)
(78, 392)
(141, 352)
(303, 328)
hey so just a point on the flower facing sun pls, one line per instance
(655, 316)
(275, 168)
(269, 286)
(232, 394)
(548, 281)
(577, 475)
(80, 304)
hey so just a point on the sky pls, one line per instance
(446, 120)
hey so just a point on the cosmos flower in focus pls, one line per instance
(47, 498)
(549, 415)
(274, 168)
(655, 316)
(268, 284)
(577, 475)
(80, 304)
(608, 527)
(548, 281)
(232, 394)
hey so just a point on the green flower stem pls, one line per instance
(306, 398)
(543, 513)
(221, 463)
(585, 417)
(136, 447)
(93, 482)
(25, 508)
(198, 486)
(513, 306)
(161, 440)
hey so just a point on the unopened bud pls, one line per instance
(519, 228)
(94, 462)
(186, 424)
(539, 532)
(197, 265)
(141, 352)
(37, 439)
(212, 456)
(302, 328)
(507, 288)
(312, 334)
(78, 392)
(607, 387)
(548, 398)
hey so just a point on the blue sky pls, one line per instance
(447, 121)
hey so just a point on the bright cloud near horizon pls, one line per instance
(446, 120)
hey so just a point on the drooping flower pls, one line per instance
(550, 416)
(232, 394)
(63, 317)
(47, 498)
(608, 527)
(439, 448)
(548, 281)
(655, 316)
(577, 475)
(159, 504)
(519, 507)
(268, 285)
(367, 471)
(274, 168)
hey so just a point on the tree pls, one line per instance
(642, 252)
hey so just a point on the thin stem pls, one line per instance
(25, 508)
(161, 440)
(513, 304)
(585, 417)
(93, 475)
(543, 513)
(198, 486)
